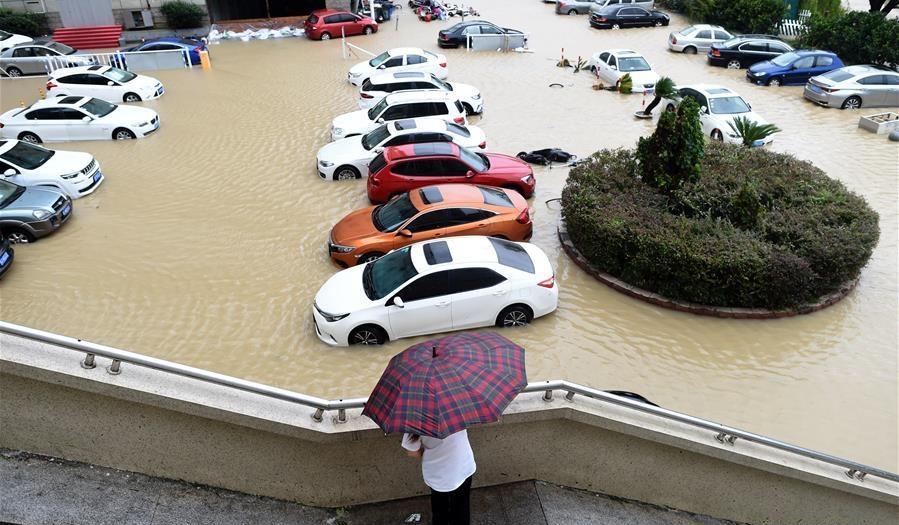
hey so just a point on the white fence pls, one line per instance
(496, 42)
(795, 27)
(130, 60)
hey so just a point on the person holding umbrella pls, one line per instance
(435, 390)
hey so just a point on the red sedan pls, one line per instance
(325, 24)
(399, 169)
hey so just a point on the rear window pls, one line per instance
(462, 131)
(377, 164)
(512, 255)
(437, 253)
(495, 196)
(312, 19)
(838, 75)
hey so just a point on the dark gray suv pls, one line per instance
(27, 214)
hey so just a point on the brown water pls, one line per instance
(206, 243)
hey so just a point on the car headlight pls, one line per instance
(477, 96)
(760, 74)
(142, 124)
(325, 163)
(342, 249)
(337, 131)
(528, 179)
(68, 176)
(41, 214)
(331, 318)
(355, 75)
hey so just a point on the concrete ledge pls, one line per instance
(162, 425)
(693, 308)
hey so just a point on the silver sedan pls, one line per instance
(855, 86)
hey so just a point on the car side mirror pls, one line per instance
(86, 119)
(469, 174)
(704, 109)
(613, 68)
(398, 302)
(382, 66)
(380, 121)
(404, 233)
(10, 172)
(110, 83)
(378, 151)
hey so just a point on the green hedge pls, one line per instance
(740, 16)
(757, 230)
(182, 15)
(28, 24)
(857, 37)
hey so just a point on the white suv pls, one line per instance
(436, 286)
(399, 59)
(105, 82)
(383, 84)
(399, 106)
(72, 172)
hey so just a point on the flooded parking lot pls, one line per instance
(206, 242)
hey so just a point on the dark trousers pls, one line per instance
(451, 508)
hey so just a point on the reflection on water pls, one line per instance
(206, 243)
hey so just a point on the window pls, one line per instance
(613, 61)
(490, 30)
(804, 63)
(426, 287)
(779, 48)
(462, 131)
(71, 114)
(161, 47)
(823, 61)
(394, 62)
(96, 80)
(44, 52)
(409, 167)
(384, 275)
(71, 79)
(728, 106)
(874, 80)
(421, 85)
(415, 59)
(472, 30)
(891, 80)
(454, 168)
(333, 19)
(4, 167)
(838, 75)
(469, 279)
(754, 47)
(467, 215)
(377, 163)
(604, 57)
(437, 252)
(431, 221)
(704, 34)
(421, 167)
(23, 52)
(390, 216)
(512, 255)
(44, 114)
(397, 112)
(722, 35)
(435, 108)
(27, 156)
(347, 17)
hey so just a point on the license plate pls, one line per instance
(67, 210)
(4, 258)
(161, 90)
(814, 88)
(650, 91)
(97, 176)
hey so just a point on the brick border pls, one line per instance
(693, 308)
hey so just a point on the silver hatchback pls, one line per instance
(855, 86)
(575, 7)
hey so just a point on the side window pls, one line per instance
(704, 34)
(754, 47)
(426, 287)
(415, 59)
(70, 114)
(396, 112)
(97, 80)
(472, 30)
(823, 61)
(44, 114)
(604, 57)
(431, 221)
(613, 61)
(874, 80)
(636, 11)
(347, 17)
(891, 80)
(44, 52)
(467, 215)
(23, 52)
(421, 85)
(468, 279)
(803, 63)
(4, 166)
(409, 167)
(722, 35)
(333, 19)
(394, 62)
(490, 30)
(777, 48)
(399, 140)
(454, 168)
(71, 79)
(429, 168)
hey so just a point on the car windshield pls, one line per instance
(4, 35)
(375, 137)
(443, 85)
(386, 274)
(9, 192)
(27, 156)
(390, 216)
(377, 109)
(785, 59)
(633, 64)
(378, 60)
(728, 105)
(98, 108)
(61, 48)
(119, 75)
(475, 160)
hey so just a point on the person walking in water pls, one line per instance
(447, 466)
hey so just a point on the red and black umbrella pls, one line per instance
(439, 387)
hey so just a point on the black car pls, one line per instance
(745, 50)
(618, 16)
(6, 256)
(456, 36)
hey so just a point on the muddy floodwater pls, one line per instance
(206, 243)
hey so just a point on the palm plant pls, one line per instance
(664, 89)
(750, 131)
(626, 84)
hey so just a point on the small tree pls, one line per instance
(664, 89)
(751, 131)
(626, 84)
(182, 15)
(671, 156)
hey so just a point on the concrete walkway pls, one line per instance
(38, 490)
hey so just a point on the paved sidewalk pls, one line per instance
(38, 490)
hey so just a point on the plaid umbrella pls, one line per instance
(441, 386)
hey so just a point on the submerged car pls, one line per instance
(399, 169)
(457, 35)
(399, 106)
(74, 173)
(719, 106)
(575, 7)
(855, 86)
(444, 210)
(741, 52)
(40, 56)
(621, 16)
(6, 256)
(77, 118)
(325, 24)
(27, 214)
(8, 40)
(398, 60)
(383, 84)
(611, 65)
(348, 158)
(436, 286)
(190, 46)
(795, 67)
(698, 37)
(104, 82)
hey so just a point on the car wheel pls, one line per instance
(346, 173)
(369, 257)
(368, 334)
(776, 82)
(514, 316)
(27, 136)
(325, 36)
(131, 97)
(572, 12)
(734, 64)
(717, 135)
(616, 26)
(14, 72)
(18, 236)
(689, 50)
(367, 30)
(122, 134)
(852, 102)
(657, 23)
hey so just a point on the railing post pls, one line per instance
(317, 416)
(341, 415)
(115, 368)
(89, 361)
(548, 395)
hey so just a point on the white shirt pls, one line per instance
(447, 462)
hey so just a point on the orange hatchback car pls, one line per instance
(443, 210)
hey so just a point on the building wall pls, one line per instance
(120, 9)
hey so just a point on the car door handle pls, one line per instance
(482, 225)
(442, 304)
(500, 292)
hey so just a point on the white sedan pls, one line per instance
(718, 107)
(612, 64)
(348, 158)
(72, 172)
(383, 84)
(104, 82)
(396, 60)
(77, 118)
(8, 40)
(436, 286)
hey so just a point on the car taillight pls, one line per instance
(444, 37)
(1, 124)
(50, 85)
(443, 64)
(365, 95)
(483, 145)
(715, 52)
(674, 40)
(602, 19)
(830, 90)
(524, 217)
(549, 283)
(459, 120)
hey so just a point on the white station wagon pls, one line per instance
(348, 158)
(400, 106)
(104, 82)
(383, 84)
(436, 286)
(77, 118)
(718, 107)
(72, 172)
(396, 60)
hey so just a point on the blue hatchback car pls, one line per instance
(192, 46)
(795, 67)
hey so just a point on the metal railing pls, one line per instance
(130, 60)
(722, 433)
